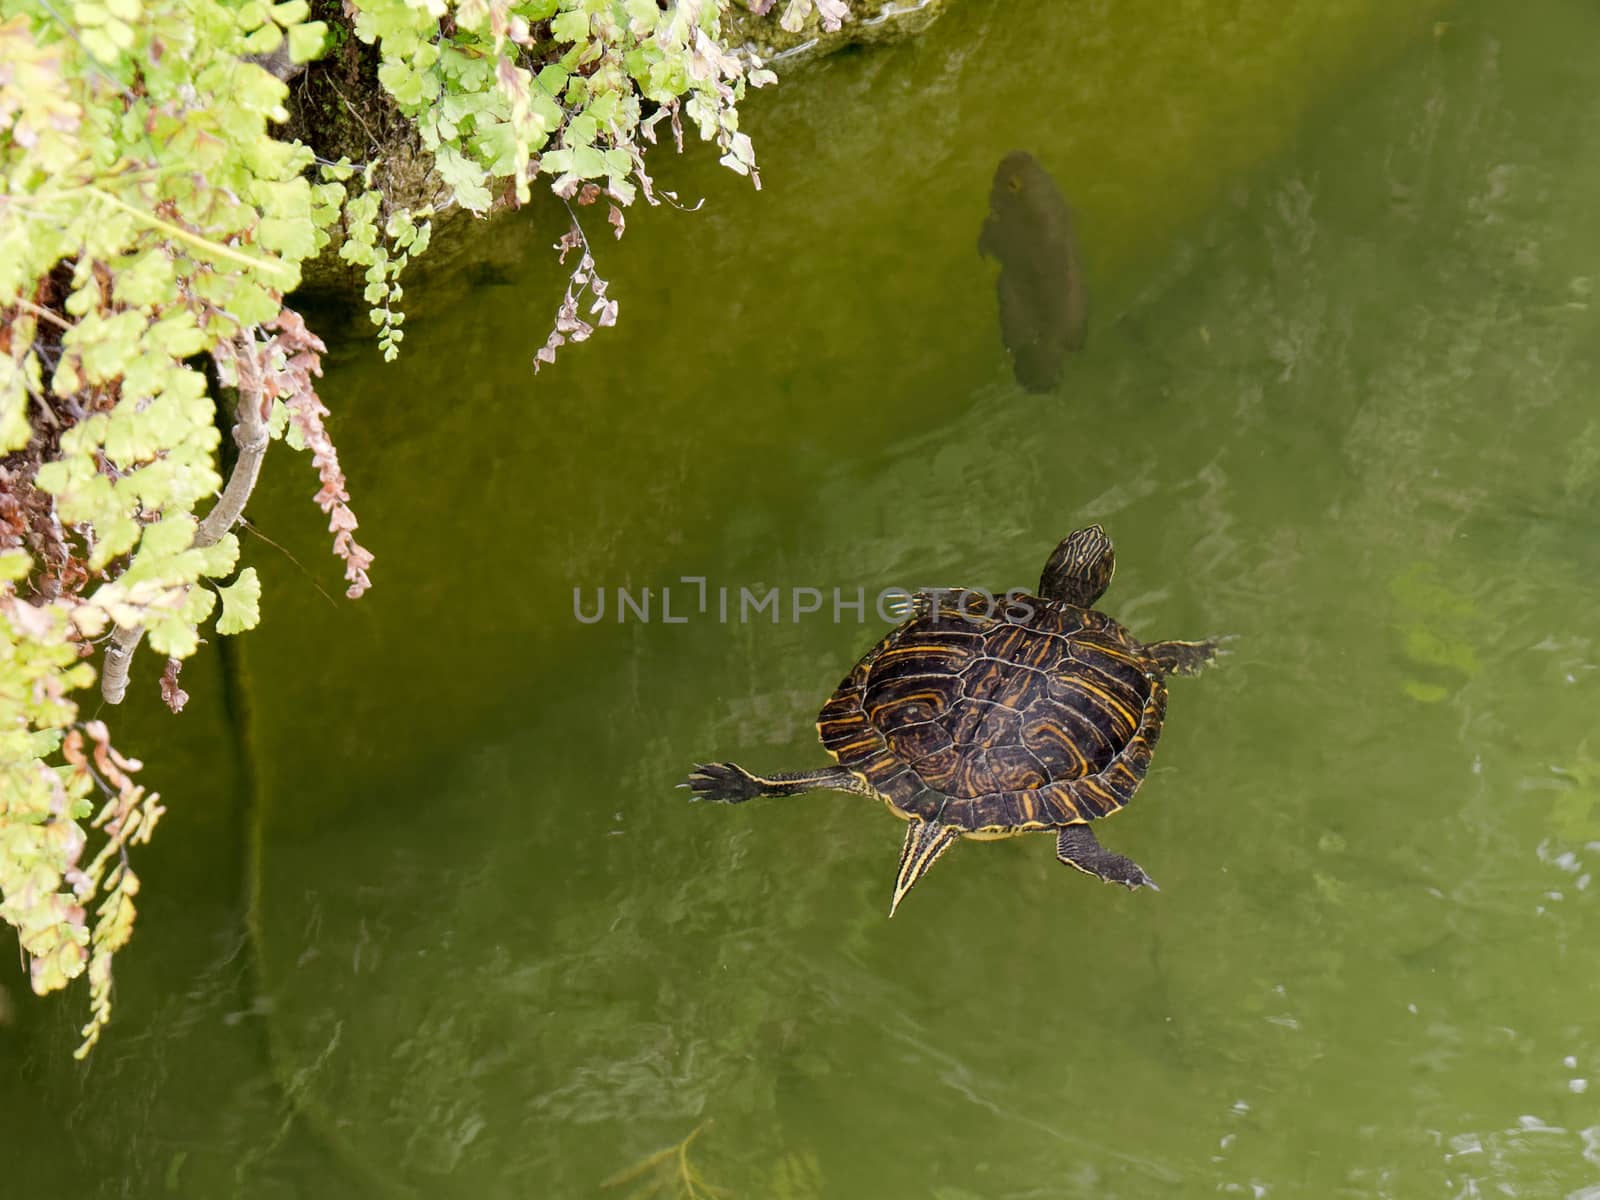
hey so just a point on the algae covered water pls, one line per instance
(429, 918)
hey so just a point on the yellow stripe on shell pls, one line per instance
(1112, 703)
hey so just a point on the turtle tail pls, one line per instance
(925, 842)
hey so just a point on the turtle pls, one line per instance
(984, 717)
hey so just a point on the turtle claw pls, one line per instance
(907, 606)
(724, 783)
(1187, 658)
(1131, 876)
(901, 607)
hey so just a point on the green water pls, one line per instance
(428, 918)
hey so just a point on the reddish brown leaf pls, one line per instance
(300, 352)
(174, 695)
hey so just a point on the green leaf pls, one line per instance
(219, 559)
(241, 603)
(571, 27)
(552, 79)
(545, 111)
(306, 41)
(120, 33)
(53, 477)
(588, 162)
(580, 131)
(118, 532)
(466, 179)
(173, 636)
(290, 12)
(253, 304)
(457, 106)
(292, 238)
(667, 80)
(603, 109)
(404, 84)
(197, 605)
(340, 171)
(145, 280)
(472, 72)
(168, 536)
(99, 45)
(264, 40)
(178, 334)
(14, 565)
(497, 146)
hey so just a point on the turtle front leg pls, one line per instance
(729, 783)
(1185, 658)
(1077, 847)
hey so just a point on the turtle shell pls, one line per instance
(1027, 717)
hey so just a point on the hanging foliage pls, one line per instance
(150, 228)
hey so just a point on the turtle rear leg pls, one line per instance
(1186, 658)
(729, 783)
(1078, 847)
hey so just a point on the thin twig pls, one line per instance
(371, 137)
(45, 410)
(576, 224)
(247, 523)
(250, 435)
(273, 265)
(41, 312)
(328, 162)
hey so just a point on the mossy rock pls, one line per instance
(871, 22)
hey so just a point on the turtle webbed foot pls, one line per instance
(1137, 878)
(1188, 658)
(1118, 868)
(1076, 846)
(726, 783)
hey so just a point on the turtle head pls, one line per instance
(1080, 570)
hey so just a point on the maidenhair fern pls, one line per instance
(152, 222)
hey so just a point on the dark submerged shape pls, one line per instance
(1044, 303)
(1037, 716)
